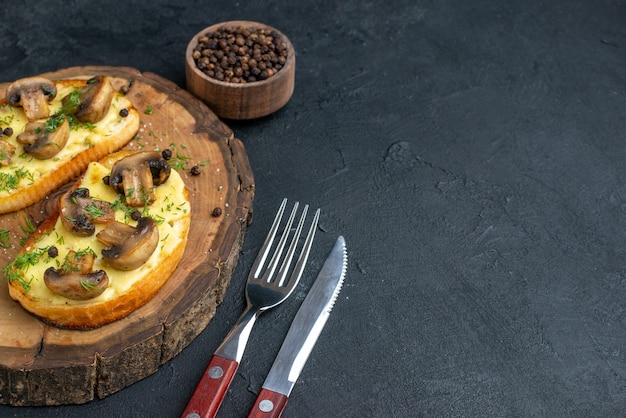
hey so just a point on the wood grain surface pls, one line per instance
(45, 365)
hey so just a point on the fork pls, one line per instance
(265, 289)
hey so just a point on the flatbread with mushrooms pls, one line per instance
(119, 234)
(51, 130)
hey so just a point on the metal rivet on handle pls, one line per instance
(192, 415)
(266, 405)
(216, 372)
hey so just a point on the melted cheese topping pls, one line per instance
(168, 211)
(28, 169)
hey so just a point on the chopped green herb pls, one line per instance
(10, 181)
(4, 238)
(16, 270)
(94, 210)
(7, 120)
(88, 286)
(54, 122)
(28, 226)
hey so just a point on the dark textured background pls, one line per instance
(474, 156)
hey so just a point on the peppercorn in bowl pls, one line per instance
(241, 69)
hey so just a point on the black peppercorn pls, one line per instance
(240, 54)
(124, 113)
(53, 252)
(195, 170)
(8, 131)
(106, 180)
(217, 212)
(135, 215)
(166, 154)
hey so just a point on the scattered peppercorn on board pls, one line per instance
(44, 365)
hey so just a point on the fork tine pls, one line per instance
(278, 252)
(267, 244)
(282, 273)
(304, 253)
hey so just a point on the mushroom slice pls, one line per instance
(128, 247)
(93, 101)
(79, 212)
(42, 143)
(33, 94)
(75, 279)
(136, 175)
(6, 153)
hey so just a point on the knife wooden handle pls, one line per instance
(209, 393)
(269, 404)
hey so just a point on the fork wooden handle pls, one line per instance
(209, 393)
(268, 404)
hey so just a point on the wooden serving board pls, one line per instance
(44, 365)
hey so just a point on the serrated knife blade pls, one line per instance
(303, 333)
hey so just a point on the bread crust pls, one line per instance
(67, 170)
(99, 312)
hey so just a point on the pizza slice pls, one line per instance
(51, 130)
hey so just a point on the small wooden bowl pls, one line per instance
(241, 101)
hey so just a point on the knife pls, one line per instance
(302, 335)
